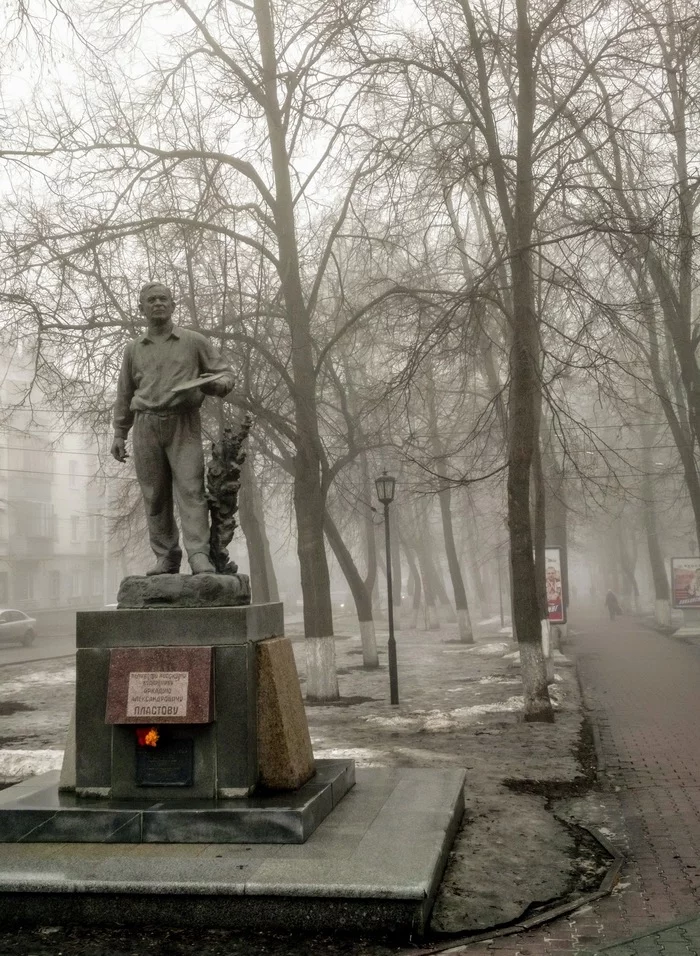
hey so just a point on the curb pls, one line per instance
(589, 711)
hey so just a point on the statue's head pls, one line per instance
(156, 302)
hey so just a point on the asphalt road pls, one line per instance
(44, 648)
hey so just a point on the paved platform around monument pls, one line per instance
(373, 865)
(36, 812)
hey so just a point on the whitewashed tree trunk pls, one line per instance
(464, 625)
(368, 636)
(547, 650)
(662, 613)
(538, 706)
(321, 677)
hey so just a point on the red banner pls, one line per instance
(556, 612)
(685, 582)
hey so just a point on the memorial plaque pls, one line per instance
(170, 764)
(157, 694)
(159, 685)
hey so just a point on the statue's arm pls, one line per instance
(211, 362)
(123, 415)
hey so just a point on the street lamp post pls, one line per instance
(385, 492)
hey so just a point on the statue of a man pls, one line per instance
(167, 435)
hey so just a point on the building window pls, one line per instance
(94, 527)
(24, 586)
(54, 585)
(74, 528)
(42, 523)
(75, 584)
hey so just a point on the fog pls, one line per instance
(418, 251)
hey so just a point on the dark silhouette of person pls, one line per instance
(612, 604)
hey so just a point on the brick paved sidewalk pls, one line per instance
(678, 939)
(642, 690)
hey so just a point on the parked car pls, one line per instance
(16, 627)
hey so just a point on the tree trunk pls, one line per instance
(250, 511)
(540, 529)
(396, 567)
(627, 563)
(361, 596)
(414, 585)
(464, 623)
(524, 392)
(368, 525)
(309, 494)
(662, 594)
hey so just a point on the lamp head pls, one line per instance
(385, 488)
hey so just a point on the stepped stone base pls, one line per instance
(37, 812)
(184, 590)
(372, 866)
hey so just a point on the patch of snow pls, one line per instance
(44, 678)
(363, 756)
(491, 650)
(497, 680)
(396, 720)
(16, 764)
(488, 621)
(437, 721)
(512, 704)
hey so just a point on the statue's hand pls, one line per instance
(219, 388)
(118, 449)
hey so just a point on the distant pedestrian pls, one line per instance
(612, 604)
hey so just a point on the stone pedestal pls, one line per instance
(189, 726)
(225, 748)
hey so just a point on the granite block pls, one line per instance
(233, 825)
(124, 784)
(44, 814)
(161, 685)
(235, 728)
(67, 779)
(19, 824)
(152, 627)
(184, 590)
(285, 756)
(93, 738)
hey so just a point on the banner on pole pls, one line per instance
(556, 612)
(685, 582)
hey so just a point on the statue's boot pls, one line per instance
(201, 564)
(165, 566)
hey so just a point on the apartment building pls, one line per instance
(55, 548)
